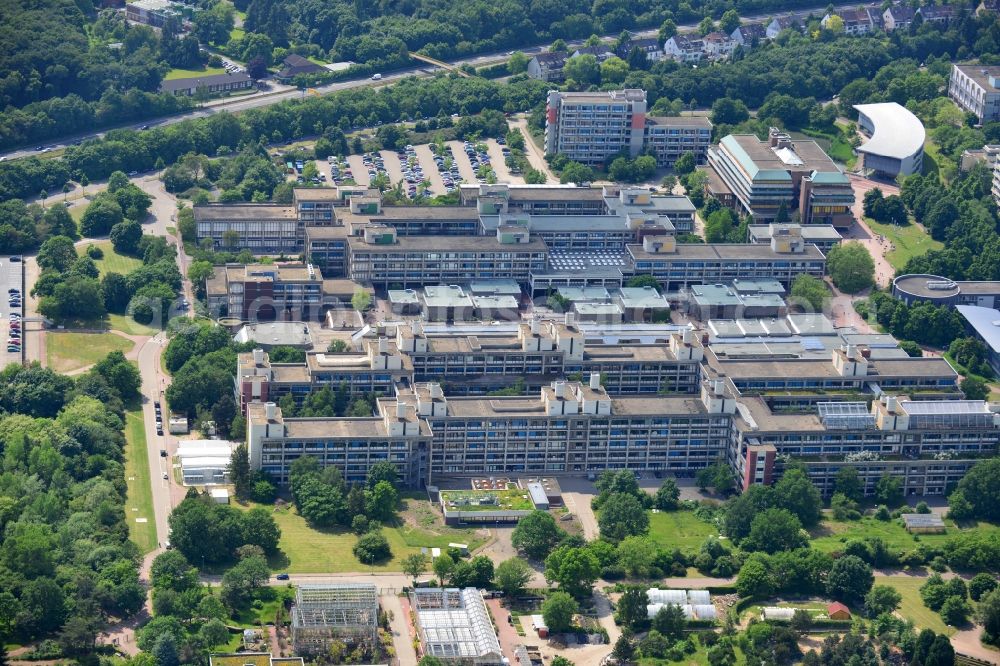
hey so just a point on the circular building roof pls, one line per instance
(896, 132)
(931, 287)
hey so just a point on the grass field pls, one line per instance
(65, 351)
(913, 607)
(909, 241)
(831, 535)
(129, 326)
(112, 262)
(192, 73)
(139, 503)
(679, 529)
(303, 549)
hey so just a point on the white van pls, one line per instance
(376, 77)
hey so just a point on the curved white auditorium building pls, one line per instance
(895, 146)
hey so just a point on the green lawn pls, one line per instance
(193, 73)
(65, 351)
(139, 502)
(679, 529)
(304, 549)
(112, 262)
(830, 535)
(913, 607)
(237, 33)
(909, 241)
(129, 326)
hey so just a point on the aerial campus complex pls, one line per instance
(509, 342)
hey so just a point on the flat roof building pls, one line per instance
(917, 288)
(976, 89)
(590, 127)
(669, 137)
(822, 236)
(678, 265)
(896, 139)
(252, 292)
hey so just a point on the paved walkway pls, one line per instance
(534, 154)
(402, 638)
(884, 272)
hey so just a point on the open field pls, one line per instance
(679, 529)
(139, 503)
(65, 351)
(909, 241)
(304, 549)
(913, 607)
(112, 262)
(192, 73)
(831, 535)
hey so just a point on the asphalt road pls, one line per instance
(281, 93)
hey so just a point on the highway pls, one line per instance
(279, 93)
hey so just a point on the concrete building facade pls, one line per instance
(976, 89)
(591, 127)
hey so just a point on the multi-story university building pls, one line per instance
(673, 403)
(544, 237)
(265, 291)
(758, 177)
(976, 89)
(475, 361)
(591, 127)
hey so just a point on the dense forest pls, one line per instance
(68, 69)
(66, 563)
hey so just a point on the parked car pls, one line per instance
(282, 576)
(163, 453)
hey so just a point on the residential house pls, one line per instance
(989, 6)
(648, 45)
(684, 48)
(602, 52)
(776, 26)
(937, 13)
(749, 35)
(215, 84)
(856, 21)
(898, 16)
(547, 66)
(718, 45)
(295, 65)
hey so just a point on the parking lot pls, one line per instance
(420, 169)
(12, 277)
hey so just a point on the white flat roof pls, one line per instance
(896, 132)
